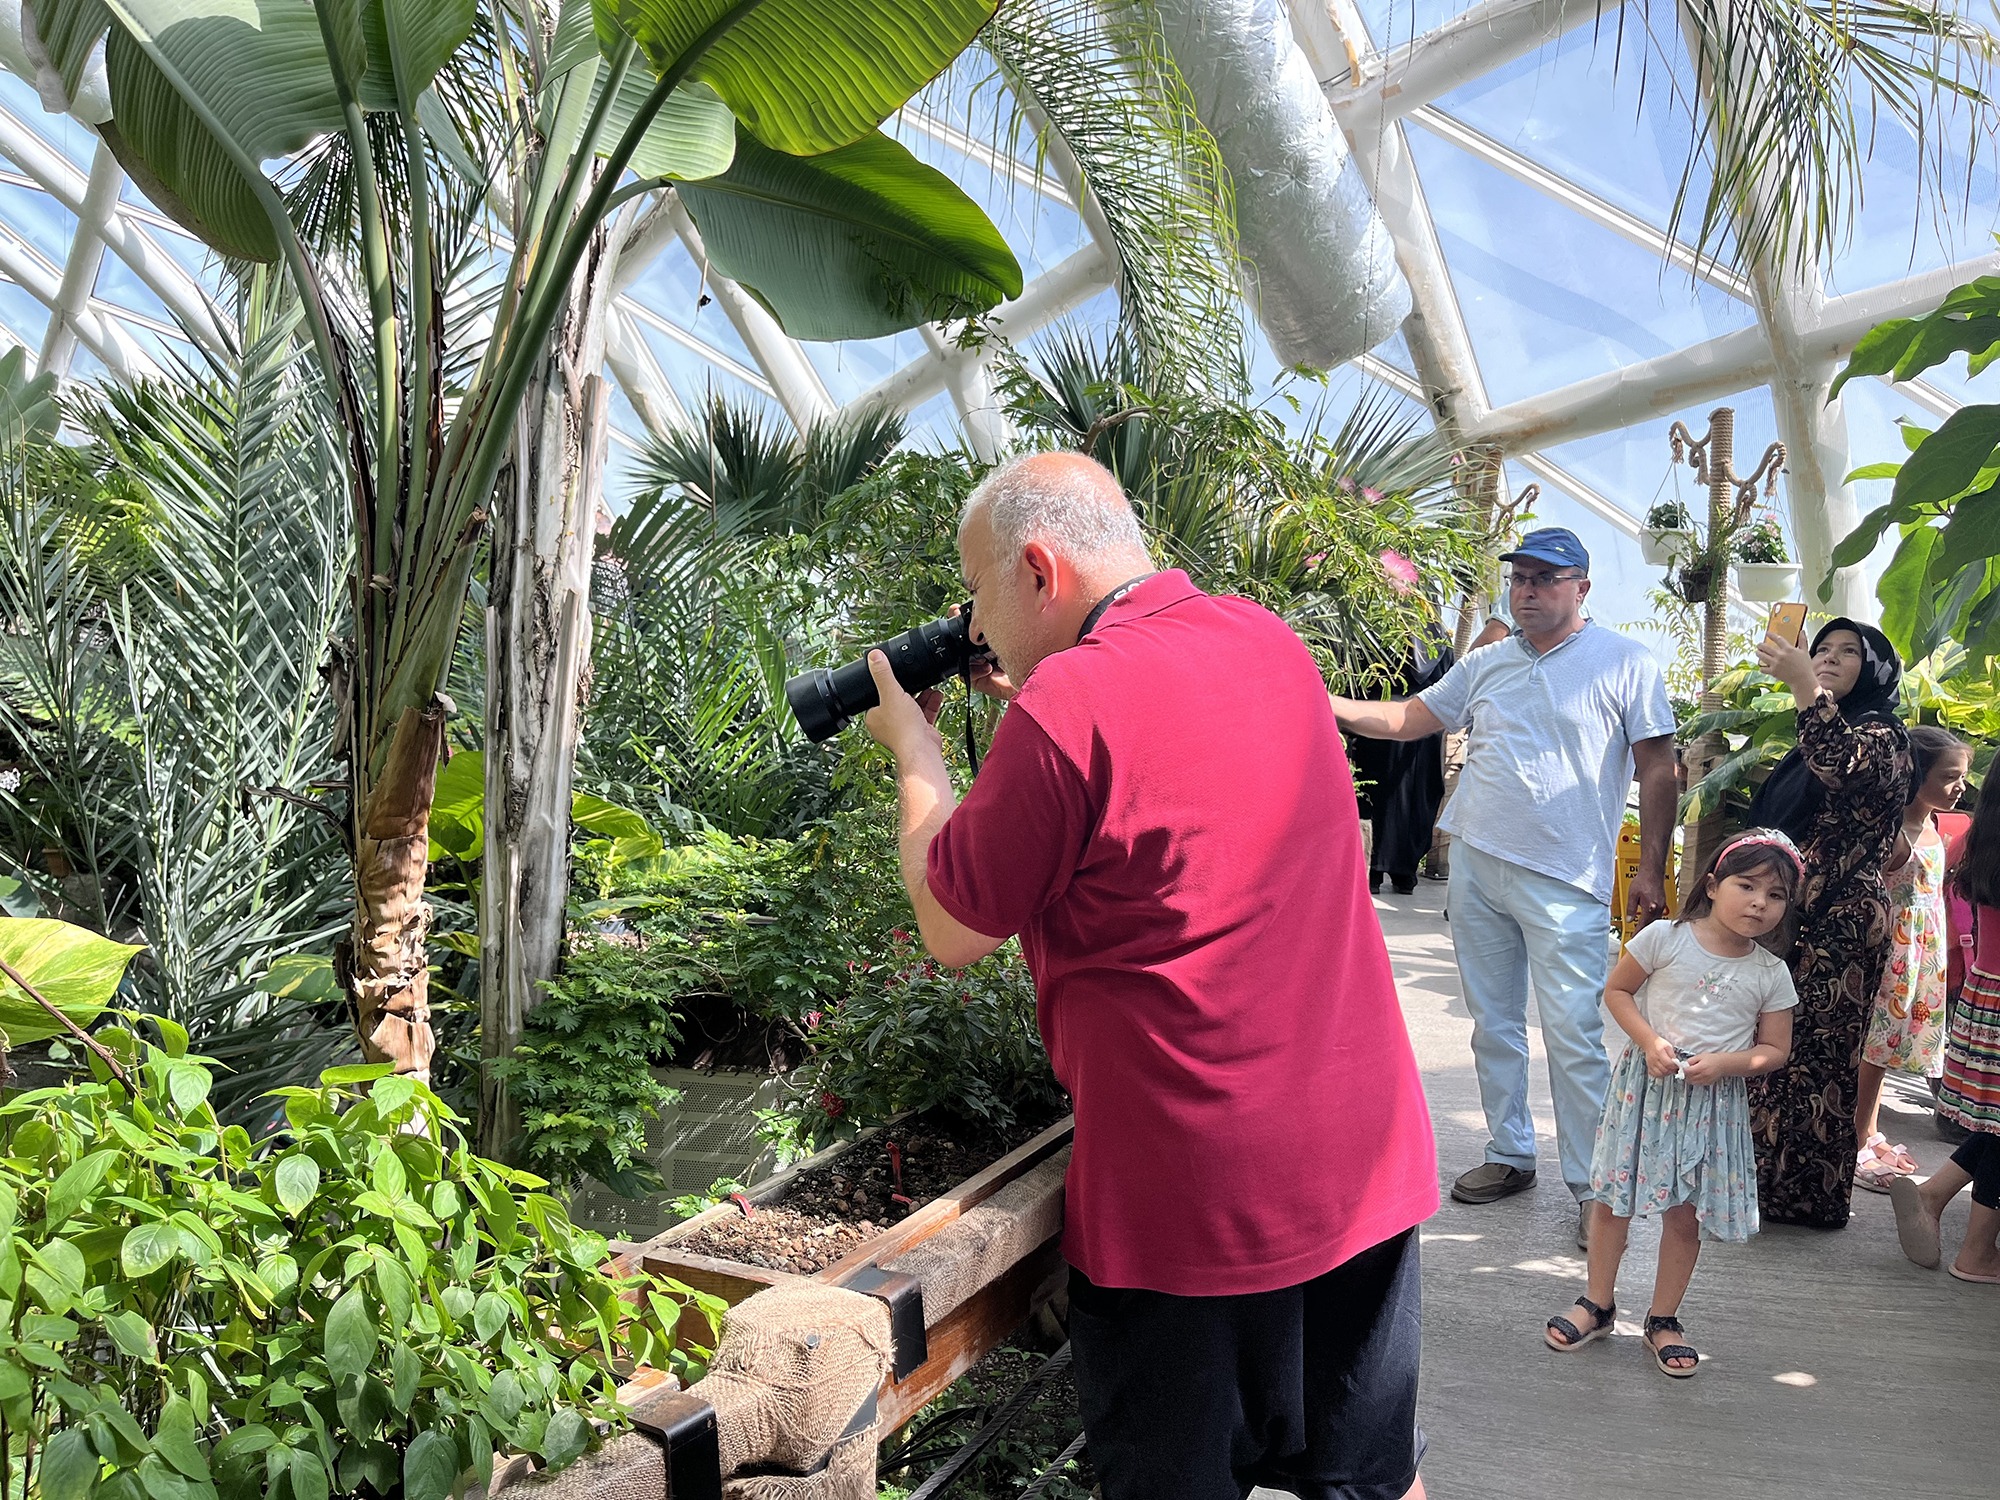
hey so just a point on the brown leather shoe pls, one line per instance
(1491, 1181)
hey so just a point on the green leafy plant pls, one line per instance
(357, 1305)
(909, 1036)
(1670, 515)
(583, 1072)
(1762, 541)
(1760, 722)
(687, 1205)
(1944, 582)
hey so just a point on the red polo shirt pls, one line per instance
(1167, 820)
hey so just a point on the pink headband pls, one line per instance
(1771, 837)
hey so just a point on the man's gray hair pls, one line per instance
(1063, 500)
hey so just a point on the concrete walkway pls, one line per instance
(1832, 1367)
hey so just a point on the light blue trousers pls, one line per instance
(1511, 926)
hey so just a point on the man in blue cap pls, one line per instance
(1562, 713)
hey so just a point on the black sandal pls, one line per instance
(1600, 1327)
(1664, 1352)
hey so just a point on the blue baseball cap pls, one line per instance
(1552, 544)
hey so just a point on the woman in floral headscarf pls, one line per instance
(1840, 796)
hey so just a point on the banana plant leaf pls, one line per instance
(853, 244)
(804, 75)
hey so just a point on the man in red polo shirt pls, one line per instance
(1167, 821)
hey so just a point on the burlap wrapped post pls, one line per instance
(796, 1369)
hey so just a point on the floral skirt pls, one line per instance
(1664, 1142)
(1970, 1090)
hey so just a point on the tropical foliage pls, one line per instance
(360, 1305)
(1943, 583)
(393, 97)
(170, 580)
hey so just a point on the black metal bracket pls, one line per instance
(684, 1426)
(904, 1297)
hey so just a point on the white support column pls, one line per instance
(797, 384)
(987, 429)
(86, 255)
(1814, 432)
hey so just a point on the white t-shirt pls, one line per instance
(1702, 1001)
(1548, 764)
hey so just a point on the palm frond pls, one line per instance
(1096, 73)
(1792, 93)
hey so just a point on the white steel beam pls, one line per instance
(21, 264)
(630, 360)
(793, 379)
(751, 377)
(1715, 367)
(1469, 45)
(80, 266)
(1592, 500)
(1640, 392)
(1058, 289)
(1605, 215)
(1000, 163)
(64, 181)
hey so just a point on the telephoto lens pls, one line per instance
(823, 700)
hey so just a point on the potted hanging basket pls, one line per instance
(1667, 535)
(1765, 572)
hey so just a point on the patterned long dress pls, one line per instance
(1802, 1116)
(1906, 1030)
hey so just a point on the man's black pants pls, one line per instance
(1310, 1389)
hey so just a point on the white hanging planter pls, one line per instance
(1767, 583)
(1663, 546)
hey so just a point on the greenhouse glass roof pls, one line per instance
(1540, 150)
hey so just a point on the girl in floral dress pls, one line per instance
(1906, 1030)
(1706, 1005)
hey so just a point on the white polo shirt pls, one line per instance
(1549, 761)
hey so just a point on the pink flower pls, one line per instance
(1401, 572)
(813, 1018)
(1372, 495)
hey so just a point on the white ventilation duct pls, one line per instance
(1319, 265)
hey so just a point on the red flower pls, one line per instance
(898, 935)
(832, 1104)
(813, 1019)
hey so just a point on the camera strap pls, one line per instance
(1097, 610)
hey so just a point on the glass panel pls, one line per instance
(1548, 297)
(1614, 125)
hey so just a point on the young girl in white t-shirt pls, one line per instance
(1706, 1005)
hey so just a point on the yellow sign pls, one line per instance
(1628, 866)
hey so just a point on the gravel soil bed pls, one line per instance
(828, 1211)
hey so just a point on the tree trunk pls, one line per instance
(538, 629)
(381, 962)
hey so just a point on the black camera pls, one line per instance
(823, 699)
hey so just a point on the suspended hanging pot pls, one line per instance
(1767, 582)
(1663, 546)
(1691, 580)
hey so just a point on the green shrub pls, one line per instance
(909, 1035)
(359, 1305)
(583, 1072)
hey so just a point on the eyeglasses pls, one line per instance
(1539, 581)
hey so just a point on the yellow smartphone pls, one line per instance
(1788, 623)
